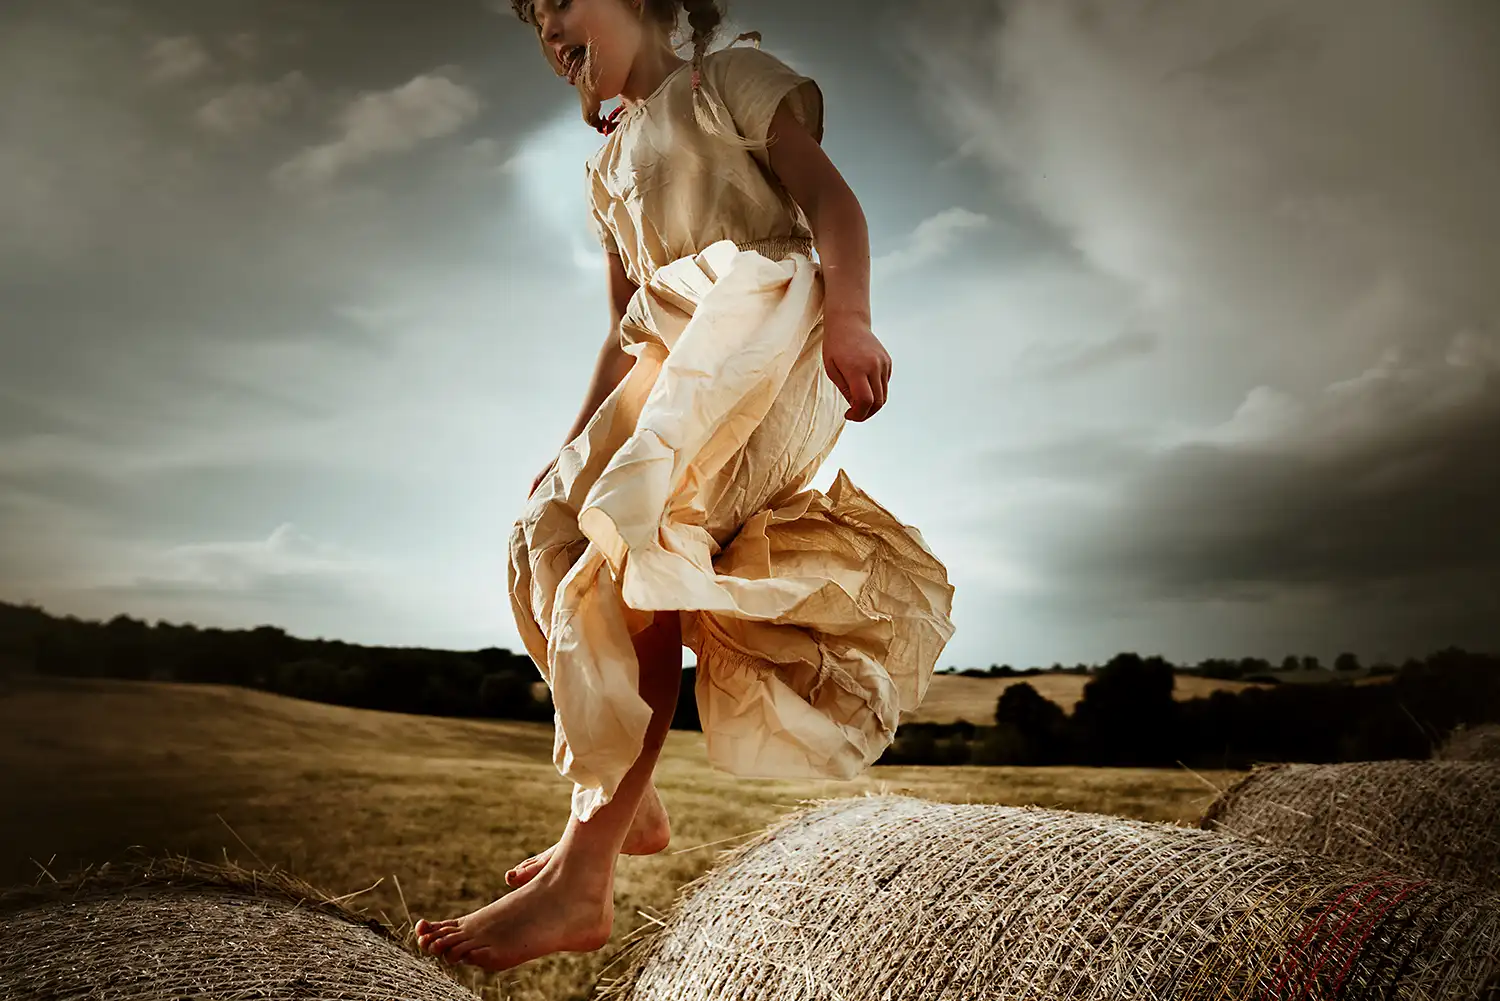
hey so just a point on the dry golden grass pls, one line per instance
(953, 697)
(349, 798)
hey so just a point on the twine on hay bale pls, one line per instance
(1434, 819)
(174, 928)
(887, 898)
(1471, 743)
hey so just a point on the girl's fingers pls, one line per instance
(838, 379)
(861, 397)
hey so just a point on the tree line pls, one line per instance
(1127, 715)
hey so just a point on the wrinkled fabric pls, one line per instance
(817, 618)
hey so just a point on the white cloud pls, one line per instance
(245, 45)
(932, 239)
(245, 107)
(1069, 360)
(284, 560)
(380, 124)
(548, 166)
(177, 58)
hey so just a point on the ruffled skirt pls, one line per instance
(817, 618)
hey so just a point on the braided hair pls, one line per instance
(704, 19)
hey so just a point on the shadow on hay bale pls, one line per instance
(181, 928)
(891, 897)
(1436, 819)
(1471, 743)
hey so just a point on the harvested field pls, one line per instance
(418, 815)
(953, 697)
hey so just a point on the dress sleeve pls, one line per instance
(597, 225)
(752, 84)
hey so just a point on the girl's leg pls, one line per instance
(569, 905)
(650, 832)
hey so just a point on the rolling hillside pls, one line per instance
(953, 697)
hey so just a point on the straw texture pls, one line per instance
(886, 898)
(1472, 743)
(1433, 819)
(173, 929)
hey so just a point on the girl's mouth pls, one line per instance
(574, 62)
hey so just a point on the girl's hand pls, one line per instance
(857, 363)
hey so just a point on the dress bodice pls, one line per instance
(661, 188)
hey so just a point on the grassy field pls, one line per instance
(953, 697)
(349, 799)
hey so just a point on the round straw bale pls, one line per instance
(1437, 819)
(177, 928)
(892, 897)
(1471, 743)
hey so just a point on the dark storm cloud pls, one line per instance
(1204, 519)
(1300, 200)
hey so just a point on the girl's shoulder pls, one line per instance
(752, 83)
(739, 60)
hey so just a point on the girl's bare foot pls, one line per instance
(541, 918)
(650, 832)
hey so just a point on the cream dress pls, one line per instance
(816, 617)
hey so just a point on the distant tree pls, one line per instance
(915, 744)
(508, 695)
(1310, 663)
(1002, 744)
(1254, 665)
(1291, 662)
(1220, 668)
(951, 750)
(1127, 715)
(1038, 722)
(1346, 662)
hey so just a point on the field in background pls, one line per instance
(348, 798)
(952, 697)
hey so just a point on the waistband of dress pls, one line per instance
(777, 247)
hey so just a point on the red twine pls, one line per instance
(613, 121)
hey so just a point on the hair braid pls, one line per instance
(704, 17)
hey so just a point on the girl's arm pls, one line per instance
(853, 356)
(613, 364)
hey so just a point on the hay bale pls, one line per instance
(1437, 819)
(887, 898)
(1471, 743)
(177, 928)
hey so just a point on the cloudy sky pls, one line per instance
(1194, 311)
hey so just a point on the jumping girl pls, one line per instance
(678, 511)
